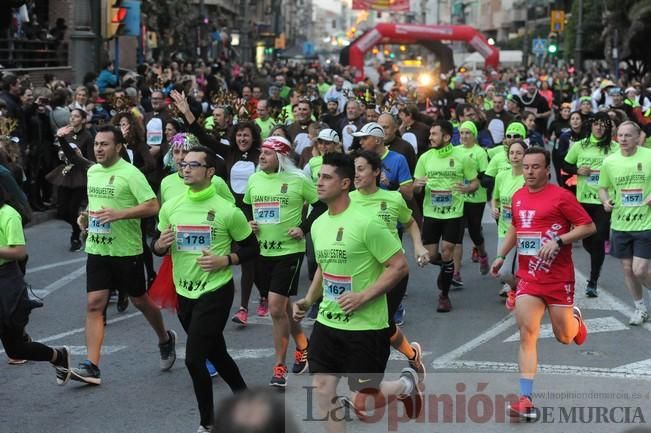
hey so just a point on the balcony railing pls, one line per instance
(24, 53)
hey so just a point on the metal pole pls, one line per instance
(82, 40)
(578, 60)
(116, 61)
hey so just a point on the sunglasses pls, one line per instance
(513, 136)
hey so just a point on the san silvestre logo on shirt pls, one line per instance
(282, 199)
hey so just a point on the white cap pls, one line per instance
(328, 135)
(372, 129)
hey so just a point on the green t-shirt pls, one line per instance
(478, 155)
(315, 164)
(11, 229)
(498, 163)
(277, 201)
(444, 168)
(202, 220)
(587, 187)
(506, 184)
(173, 185)
(351, 249)
(120, 186)
(629, 180)
(495, 150)
(389, 206)
(265, 127)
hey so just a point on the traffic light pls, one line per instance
(122, 18)
(552, 44)
(115, 16)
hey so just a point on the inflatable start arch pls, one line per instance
(389, 33)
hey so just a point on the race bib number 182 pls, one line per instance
(529, 243)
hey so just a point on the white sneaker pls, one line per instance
(639, 317)
(505, 290)
(204, 429)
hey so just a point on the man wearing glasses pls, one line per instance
(155, 121)
(198, 229)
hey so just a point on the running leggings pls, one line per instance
(18, 346)
(594, 244)
(472, 214)
(394, 298)
(204, 320)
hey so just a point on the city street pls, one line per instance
(471, 356)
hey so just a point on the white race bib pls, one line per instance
(336, 285)
(266, 212)
(192, 238)
(96, 227)
(632, 197)
(529, 243)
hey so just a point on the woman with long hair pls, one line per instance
(70, 176)
(585, 159)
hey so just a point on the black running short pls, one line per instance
(359, 355)
(450, 230)
(123, 273)
(278, 274)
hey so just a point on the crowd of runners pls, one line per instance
(215, 166)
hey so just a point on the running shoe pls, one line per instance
(591, 290)
(510, 300)
(444, 305)
(638, 317)
(399, 315)
(86, 372)
(279, 379)
(75, 245)
(504, 291)
(263, 308)
(241, 317)
(582, 333)
(204, 429)
(212, 371)
(123, 301)
(14, 361)
(475, 255)
(300, 360)
(417, 362)
(523, 408)
(414, 400)
(168, 352)
(62, 366)
(484, 266)
(456, 279)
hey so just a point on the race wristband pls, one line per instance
(230, 260)
(500, 257)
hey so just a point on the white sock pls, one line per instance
(409, 385)
(639, 305)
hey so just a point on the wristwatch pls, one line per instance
(558, 240)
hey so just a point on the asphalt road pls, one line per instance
(471, 356)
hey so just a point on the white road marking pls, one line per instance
(493, 332)
(640, 370)
(600, 324)
(605, 301)
(61, 282)
(236, 354)
(81, 350)
(54, 265)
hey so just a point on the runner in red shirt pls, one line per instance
(546, 220)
